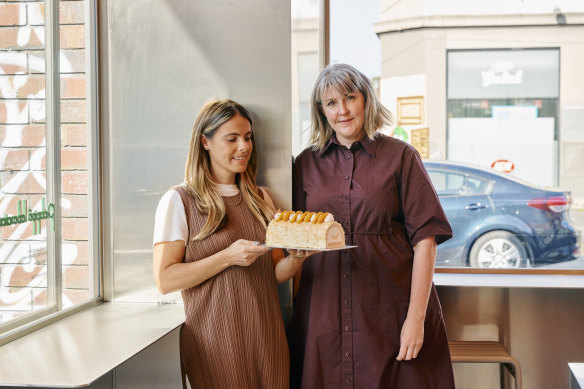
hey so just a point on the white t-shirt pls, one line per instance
(170, 221)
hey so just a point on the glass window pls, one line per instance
(46, 158)
(482, 103)
(447, 184)
(306, 64)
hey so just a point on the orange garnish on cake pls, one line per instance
(294, 216)
(312, 230)
(316, 217)
(301, 218)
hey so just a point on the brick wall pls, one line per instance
(23, 256)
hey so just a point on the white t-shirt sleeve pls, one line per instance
(170, 221)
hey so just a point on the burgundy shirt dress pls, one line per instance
(351, 304)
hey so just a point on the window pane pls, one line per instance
(305, 66)
(23, 242)
(75, 156)
(27, 265)
(482, 103)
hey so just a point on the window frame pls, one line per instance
(54, 312)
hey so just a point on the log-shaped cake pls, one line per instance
(311, 230)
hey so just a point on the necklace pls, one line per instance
(235, 199)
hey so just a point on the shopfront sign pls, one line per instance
(502, 73)
(494, 74)
(26, 215)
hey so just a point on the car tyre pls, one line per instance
(498, 249)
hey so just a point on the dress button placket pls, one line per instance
(346, 306)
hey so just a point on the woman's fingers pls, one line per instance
(302, 254)
(403, 350)
(408, 352)
(253, 252)
(246, 252)
(411, 340)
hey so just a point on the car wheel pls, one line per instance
(498, 249)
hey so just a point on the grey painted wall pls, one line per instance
(161, 60)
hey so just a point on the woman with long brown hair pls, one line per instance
(206, 244)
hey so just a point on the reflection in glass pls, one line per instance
(23, 248)
(75, 156)
(26, 260)
(305, 66)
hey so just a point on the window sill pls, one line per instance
(576, 375)
(508, 279)
(81, 348)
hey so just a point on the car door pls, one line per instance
(465, 201)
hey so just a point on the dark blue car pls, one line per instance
(500, 221)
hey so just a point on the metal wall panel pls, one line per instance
(161, 60)
(158, 366)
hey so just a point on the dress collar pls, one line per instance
(369, 145)
(227, 189)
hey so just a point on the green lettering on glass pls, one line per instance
(25, 214)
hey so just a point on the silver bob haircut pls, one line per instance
(345, 79)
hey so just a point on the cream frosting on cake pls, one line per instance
(312, 230)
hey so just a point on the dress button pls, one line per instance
(348, 156)
(347, 354)
(346, 177)
(345, 276)
(346, 302)
(348, 381)
(347, 328)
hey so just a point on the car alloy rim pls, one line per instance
(499, 253)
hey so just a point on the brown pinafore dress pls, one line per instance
(233, 335)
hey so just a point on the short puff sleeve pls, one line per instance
(423, 213)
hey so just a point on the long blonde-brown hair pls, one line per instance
(346, 79)
(199, 178)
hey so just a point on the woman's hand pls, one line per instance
(411, 339)
(285, 269)
(244, 252)
(301, 255)
(412, 333)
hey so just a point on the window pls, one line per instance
(480, 100)
(455, 184)
(47, 162)
(307, 60)
(447, 184)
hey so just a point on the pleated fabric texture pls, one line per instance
(233, 336)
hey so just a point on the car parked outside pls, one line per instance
(500, 221)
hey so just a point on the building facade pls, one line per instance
(490, 88)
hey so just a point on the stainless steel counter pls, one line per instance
(80, 349)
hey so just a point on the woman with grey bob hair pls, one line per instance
(346, 79)
(367, 317)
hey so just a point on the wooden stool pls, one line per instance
(486, 352)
